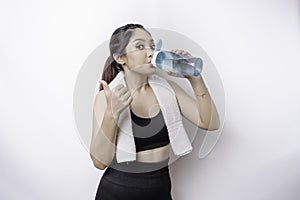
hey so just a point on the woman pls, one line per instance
(144, 173)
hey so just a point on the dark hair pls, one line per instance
(117, 45)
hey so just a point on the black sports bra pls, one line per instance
(149, 133)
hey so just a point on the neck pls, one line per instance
(136, 82)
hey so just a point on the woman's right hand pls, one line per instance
(117, 99)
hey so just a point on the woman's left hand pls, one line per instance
(182, 52)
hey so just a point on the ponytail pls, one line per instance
(110, 71)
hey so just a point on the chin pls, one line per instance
(152, 71)
(144, 69)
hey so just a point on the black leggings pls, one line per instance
(117, 184)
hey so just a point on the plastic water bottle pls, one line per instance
(178, 63)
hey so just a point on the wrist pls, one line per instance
(201, 92)
(197, 82)
(110, 114)
(198, 85)
(195, 78)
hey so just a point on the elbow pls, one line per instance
(214, 126)
(99, 165)
(210, 126)
(210, 122)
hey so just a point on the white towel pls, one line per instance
(180, 143)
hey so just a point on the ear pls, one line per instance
(119, 59)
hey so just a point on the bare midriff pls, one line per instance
(154, 155)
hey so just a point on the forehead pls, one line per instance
(140, 34)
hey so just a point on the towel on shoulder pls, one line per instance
(180, 143)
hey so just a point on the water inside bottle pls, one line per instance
(183, 64)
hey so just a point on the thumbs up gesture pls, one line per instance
(118, 98)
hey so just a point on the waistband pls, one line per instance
(141, 167)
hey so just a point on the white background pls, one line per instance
(253, 44)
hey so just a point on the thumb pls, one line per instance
(104, 85)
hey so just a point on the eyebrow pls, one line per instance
(142, 40)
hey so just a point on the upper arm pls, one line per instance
(187, 104)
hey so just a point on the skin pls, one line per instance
(138, 94)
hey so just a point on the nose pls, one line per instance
(150, 53)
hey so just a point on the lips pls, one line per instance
(151, 65)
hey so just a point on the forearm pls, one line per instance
(103, 144)
(208, 114)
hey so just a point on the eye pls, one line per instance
(141, 47)
(153, 46)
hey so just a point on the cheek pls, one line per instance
(135, 59)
